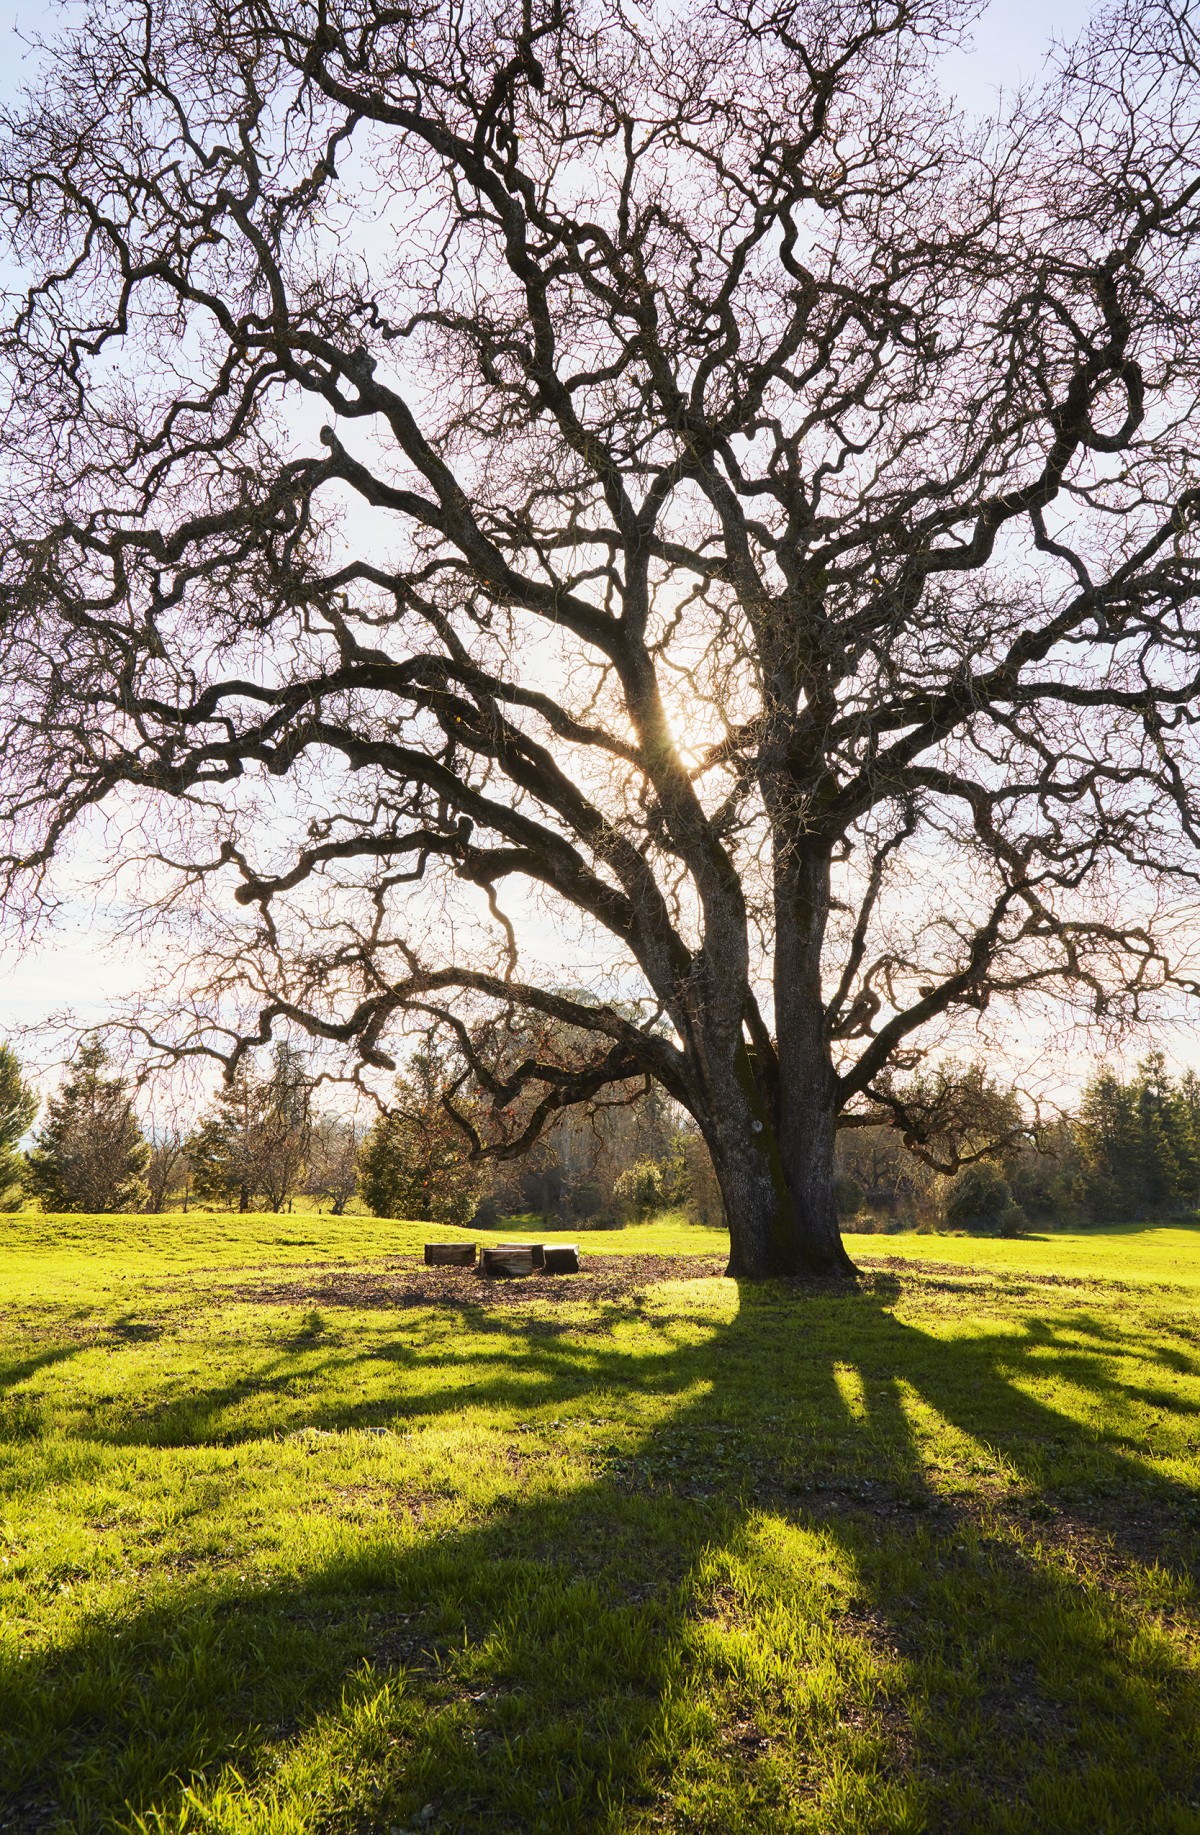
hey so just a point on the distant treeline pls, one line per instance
(1129, 1151)
(952, 1149)
(265, 1141)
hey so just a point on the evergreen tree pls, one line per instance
(285, 1131)
(221, 1150)
(1189, 1134)
(1044, 1173)
(1139, 1142)
(18, 1106)
(1108, 1146)
(254, 1142)
(90, 1154)
(414, 1162)
(1161, 1149)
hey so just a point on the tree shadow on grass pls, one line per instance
(19, 1370)
(310, 1378)
(775, 1610)
(21, 1416)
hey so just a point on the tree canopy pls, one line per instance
(483, 480)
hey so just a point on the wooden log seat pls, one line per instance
(562, 1258)
(534, 1248)
(449, 1254)
(506, 1260)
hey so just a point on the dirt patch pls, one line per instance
(1113, 1541)
(415, 1506)
(405, 1281)
(26, 1815)
(1112, 1544)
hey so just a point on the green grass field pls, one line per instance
(298, 1537)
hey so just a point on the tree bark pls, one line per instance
(808, 1097)
(772, 1138)
(780, 1211)
(758, 1206)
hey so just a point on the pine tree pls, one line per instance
(1189, 1135)
(90, 1154)
(1109, 1148)
(1139, 1142)
(221, 1150)
(286, 1127)
(414, 1162)
(18, 1106)
(1161, 1145)
(254, 1143)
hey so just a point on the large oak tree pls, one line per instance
(476, 466)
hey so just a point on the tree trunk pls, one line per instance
(807, 1103)
(778, 1225)
(758, 1207)
(773, 1154)
(807, 1144)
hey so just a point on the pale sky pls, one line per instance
(1010, 41)
(68, 970)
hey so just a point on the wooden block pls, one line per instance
(562, 1258)
(534, 1248)
(511, 1259)
(449, 1254)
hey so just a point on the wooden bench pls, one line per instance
(515, 1258)
(449, 1254)
(534, 1248)
(507, 1259)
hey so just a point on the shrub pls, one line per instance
(848, 1195)
(639, 1191)
(979, 1200)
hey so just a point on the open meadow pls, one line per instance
(298, 1535)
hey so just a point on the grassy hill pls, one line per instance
(299, 1536)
